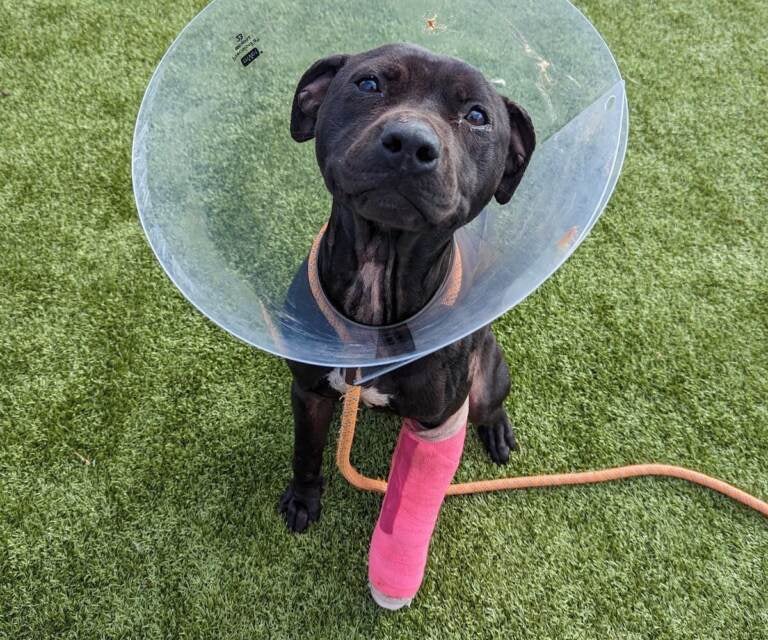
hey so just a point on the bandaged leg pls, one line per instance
(423, 465)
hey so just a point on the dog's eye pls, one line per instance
(368, 85)
(476, 117)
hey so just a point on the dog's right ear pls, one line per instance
(522, 142)
(310, 94)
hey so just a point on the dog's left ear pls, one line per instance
(310, 94)
(522, 142)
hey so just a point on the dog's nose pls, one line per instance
(410, 146)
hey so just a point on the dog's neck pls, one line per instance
(378, 275)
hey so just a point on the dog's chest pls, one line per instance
(370, 396)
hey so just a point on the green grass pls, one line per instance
(650, 344)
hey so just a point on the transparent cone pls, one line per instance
(230, 203)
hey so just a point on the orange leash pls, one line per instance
(358, 480)
(352, 401)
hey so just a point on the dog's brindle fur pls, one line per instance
(406, 166)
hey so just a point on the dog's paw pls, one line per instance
(300, 508)
(499, 440)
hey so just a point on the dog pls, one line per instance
(411, 145)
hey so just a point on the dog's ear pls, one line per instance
(310, 93)
(522, 142)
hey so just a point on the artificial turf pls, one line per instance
(142, 450)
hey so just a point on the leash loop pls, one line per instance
(364, 483)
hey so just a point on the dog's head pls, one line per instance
(409, 139)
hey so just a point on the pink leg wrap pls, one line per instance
(423, 466)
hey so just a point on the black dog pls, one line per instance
(412, 146)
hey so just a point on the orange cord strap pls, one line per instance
(448, 295)
(358, 480)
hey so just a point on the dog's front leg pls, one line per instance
(490, 387)
(312, 413)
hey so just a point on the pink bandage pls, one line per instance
(423, 465)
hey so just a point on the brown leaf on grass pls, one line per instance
(83, 459)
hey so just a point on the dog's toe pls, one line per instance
(299, 508)
(499, 440)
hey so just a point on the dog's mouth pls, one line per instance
(393, 203)
(392, 208)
